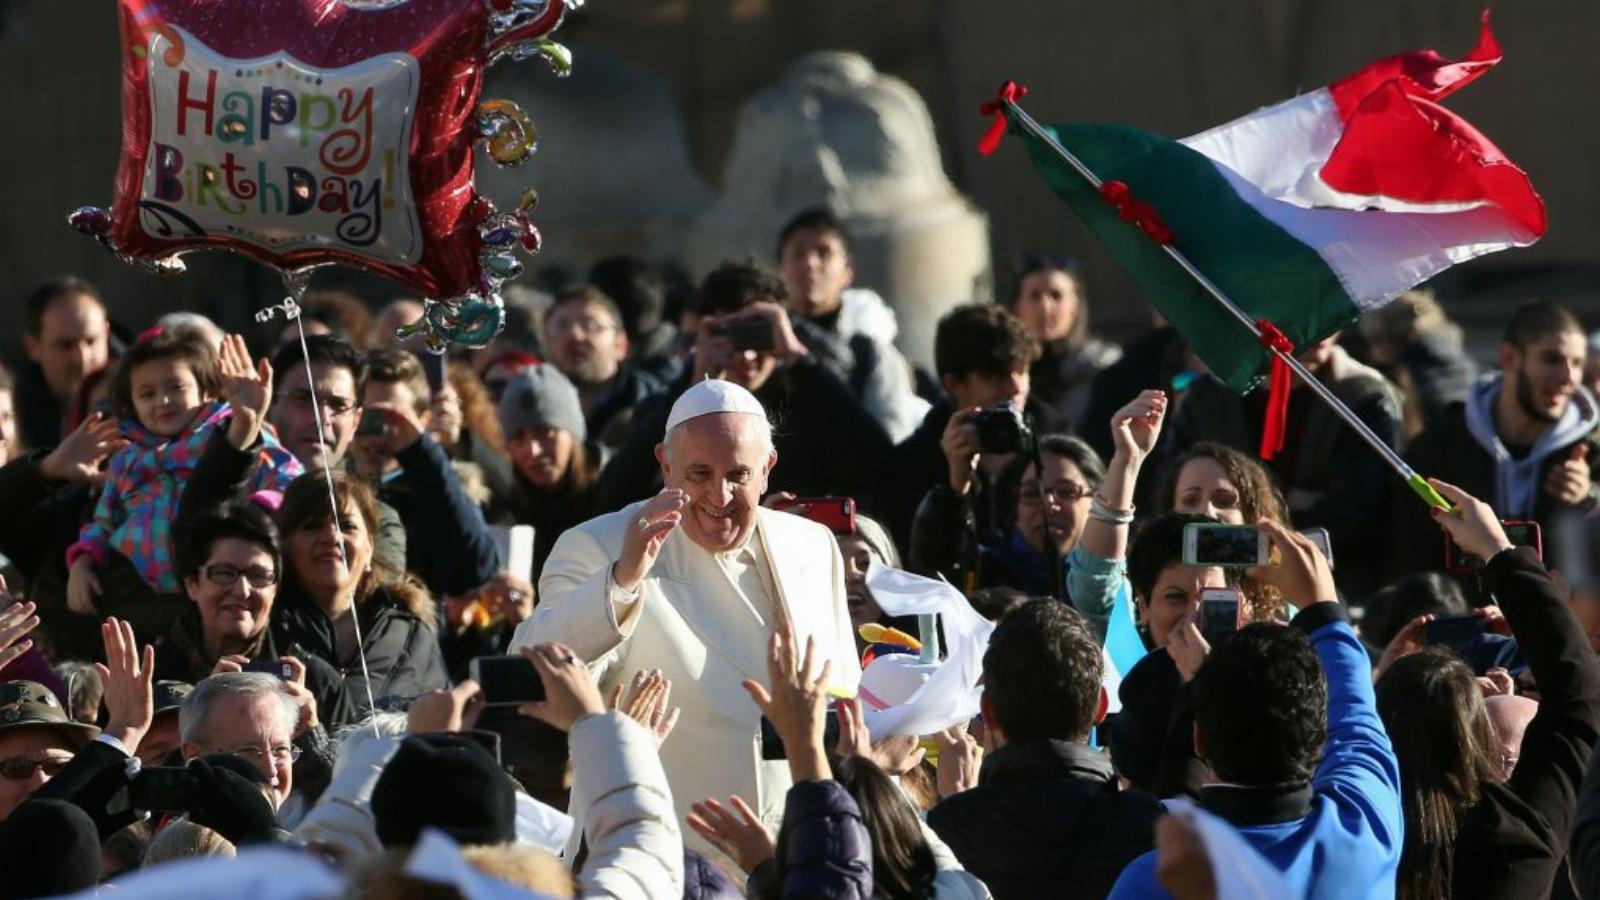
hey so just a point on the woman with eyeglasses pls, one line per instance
(343, 604)
(230, 563)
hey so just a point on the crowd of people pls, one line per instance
(274, 597)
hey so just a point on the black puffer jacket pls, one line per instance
(399, 642)
(1046, 820)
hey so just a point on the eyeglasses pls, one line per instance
(1060, 494)
(226, 575)
(331, 404)
(20, 768)
(258, 755)
(586, 325)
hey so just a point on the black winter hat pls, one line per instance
(447, 782)
(47, 847)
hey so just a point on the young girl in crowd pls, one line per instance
(168, 391)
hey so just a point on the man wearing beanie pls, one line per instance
(694, 582)
(447, 782)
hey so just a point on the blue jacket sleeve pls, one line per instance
(463, 551)
(829, 853)
(1359, 772)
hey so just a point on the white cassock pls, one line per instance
(703, 619)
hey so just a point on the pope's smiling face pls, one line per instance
(721, 462)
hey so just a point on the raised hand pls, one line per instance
(79, 455)
(896, 754)
(1136, 427)
(1568, 482)
(1472, 525)
(796, 703)
(569, 690)
(303, 698)
(960, 759)
(648, 701)
(737, 832)
(447, 710)
(645, 535)
(1301, 572)
(126, 675)
(248, 389)
(16, 620)
(1408, 640)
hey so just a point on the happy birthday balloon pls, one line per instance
(308, 132)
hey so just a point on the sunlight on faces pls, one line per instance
(1203, 488)
(313, 553)
(166, 395)
(1175, 595)
(1065, 517)
(73, 340)
(296, 423)
(584, 342)
(542, 455)
(237, 612)
(816, 269)
(257, 729)
(858, 556)
(1545, 374)
(33, 744)
(721, 462)
(1047, 302)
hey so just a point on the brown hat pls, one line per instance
(28, 704)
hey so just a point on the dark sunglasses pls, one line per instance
(19, 768)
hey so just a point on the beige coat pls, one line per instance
(692, 623)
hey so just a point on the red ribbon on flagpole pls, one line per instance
(1279, 383)
(1136, 211)
(1010, 92)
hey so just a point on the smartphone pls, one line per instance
(1319, 536)
(373, 423)
(507, 680)
(1519, 533)
(838, 513)
(1454, 632)
(488, 740)
(772, 745)
(163, 789)
(1229, 546)
(1219, 613)
(272, 667)
(746, 332)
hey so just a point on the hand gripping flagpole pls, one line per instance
(1144, 217)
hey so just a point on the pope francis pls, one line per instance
(693, 582)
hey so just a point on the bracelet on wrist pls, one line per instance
(1105, 512)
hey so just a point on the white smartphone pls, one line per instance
(1219, 612)
(1228, 546)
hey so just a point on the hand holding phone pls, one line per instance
(1471, 524)
(1518, 533)
(1454, 632)
(1219, 613)
(277, 667)
(837, 513)
(507, 680)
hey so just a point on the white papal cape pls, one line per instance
(696, 624)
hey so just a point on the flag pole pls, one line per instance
(1416, 482)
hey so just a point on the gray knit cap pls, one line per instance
(540, 396)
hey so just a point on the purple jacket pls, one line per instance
(829, 855)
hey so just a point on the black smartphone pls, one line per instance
(373, 423)
(747, 333)
(507, 680)
(488, 740)
(772, 745)
(1454, 632)
(1219, 613)
(163, 789)
(272, 667)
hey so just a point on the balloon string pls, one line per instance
(296, 283)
